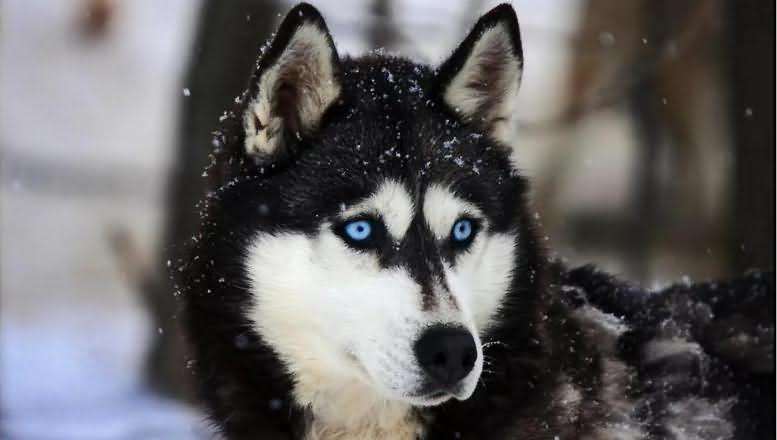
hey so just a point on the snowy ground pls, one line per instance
(86, 135)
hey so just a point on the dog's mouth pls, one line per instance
(432, 398)
(427, 395)
(431, 395)
(436, 395)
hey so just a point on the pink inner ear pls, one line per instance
(287, 107)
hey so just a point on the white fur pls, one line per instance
(696, 418)
(338, 321)
(482, 275)
(333, 315)
(310, 48)
(355, 412)
(392, 203)
(442, 208)
(345, 327)
(659, 349)
(468, 101)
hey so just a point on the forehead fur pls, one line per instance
(387, 125)
(442, 208)
(392, 203)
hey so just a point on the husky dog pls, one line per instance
(367, 267)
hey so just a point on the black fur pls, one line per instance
(389, 121)
(732, 321)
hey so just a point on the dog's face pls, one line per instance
(378, 217)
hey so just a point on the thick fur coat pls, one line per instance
(358, 203)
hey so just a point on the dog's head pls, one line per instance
(375, 220)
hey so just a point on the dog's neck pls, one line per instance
(349, 409)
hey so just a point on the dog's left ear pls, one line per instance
(480, 80)
(297, 79)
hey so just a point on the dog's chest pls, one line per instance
(351, 411)
(406, 429)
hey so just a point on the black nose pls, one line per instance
(447, 354)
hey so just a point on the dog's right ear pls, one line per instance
(296, 80)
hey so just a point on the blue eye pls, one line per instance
(462, 230)
(362, 233)
(358, 230)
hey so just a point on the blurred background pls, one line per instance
(647, 127)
